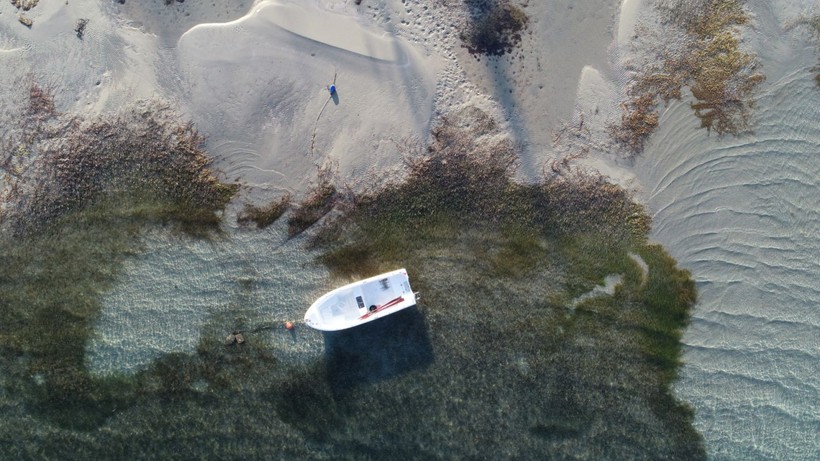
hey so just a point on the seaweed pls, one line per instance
(710, 61)
(496, 361)
(266, 215)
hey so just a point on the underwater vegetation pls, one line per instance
(702, 51)
(521, 368)
(264, 216)
(503, 358)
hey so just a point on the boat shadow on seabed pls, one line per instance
(377, 350)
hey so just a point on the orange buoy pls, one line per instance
(289, 325)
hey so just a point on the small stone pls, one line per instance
(25, 21)
(239, 338)
(230, 340)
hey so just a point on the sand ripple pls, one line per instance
(742, 214)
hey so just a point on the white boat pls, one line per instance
(361, 302)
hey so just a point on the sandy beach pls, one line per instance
(738, 212)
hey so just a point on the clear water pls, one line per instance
(243, 280)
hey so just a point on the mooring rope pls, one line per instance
(238, 336)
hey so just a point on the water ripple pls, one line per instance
(742, 214)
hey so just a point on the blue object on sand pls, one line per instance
(332, 89)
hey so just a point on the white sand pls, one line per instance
(536, 86)
(254, 77)
(611, 282)
(628, 19)
(323, 27)
(257, 86)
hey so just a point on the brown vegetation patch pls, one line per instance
(266, 215)
(464, 175)
(142, 158)
(41, 103)
(318, 203)
(710, 62)
(24, 5)
(812, 23)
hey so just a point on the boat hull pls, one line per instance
(361, 302)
